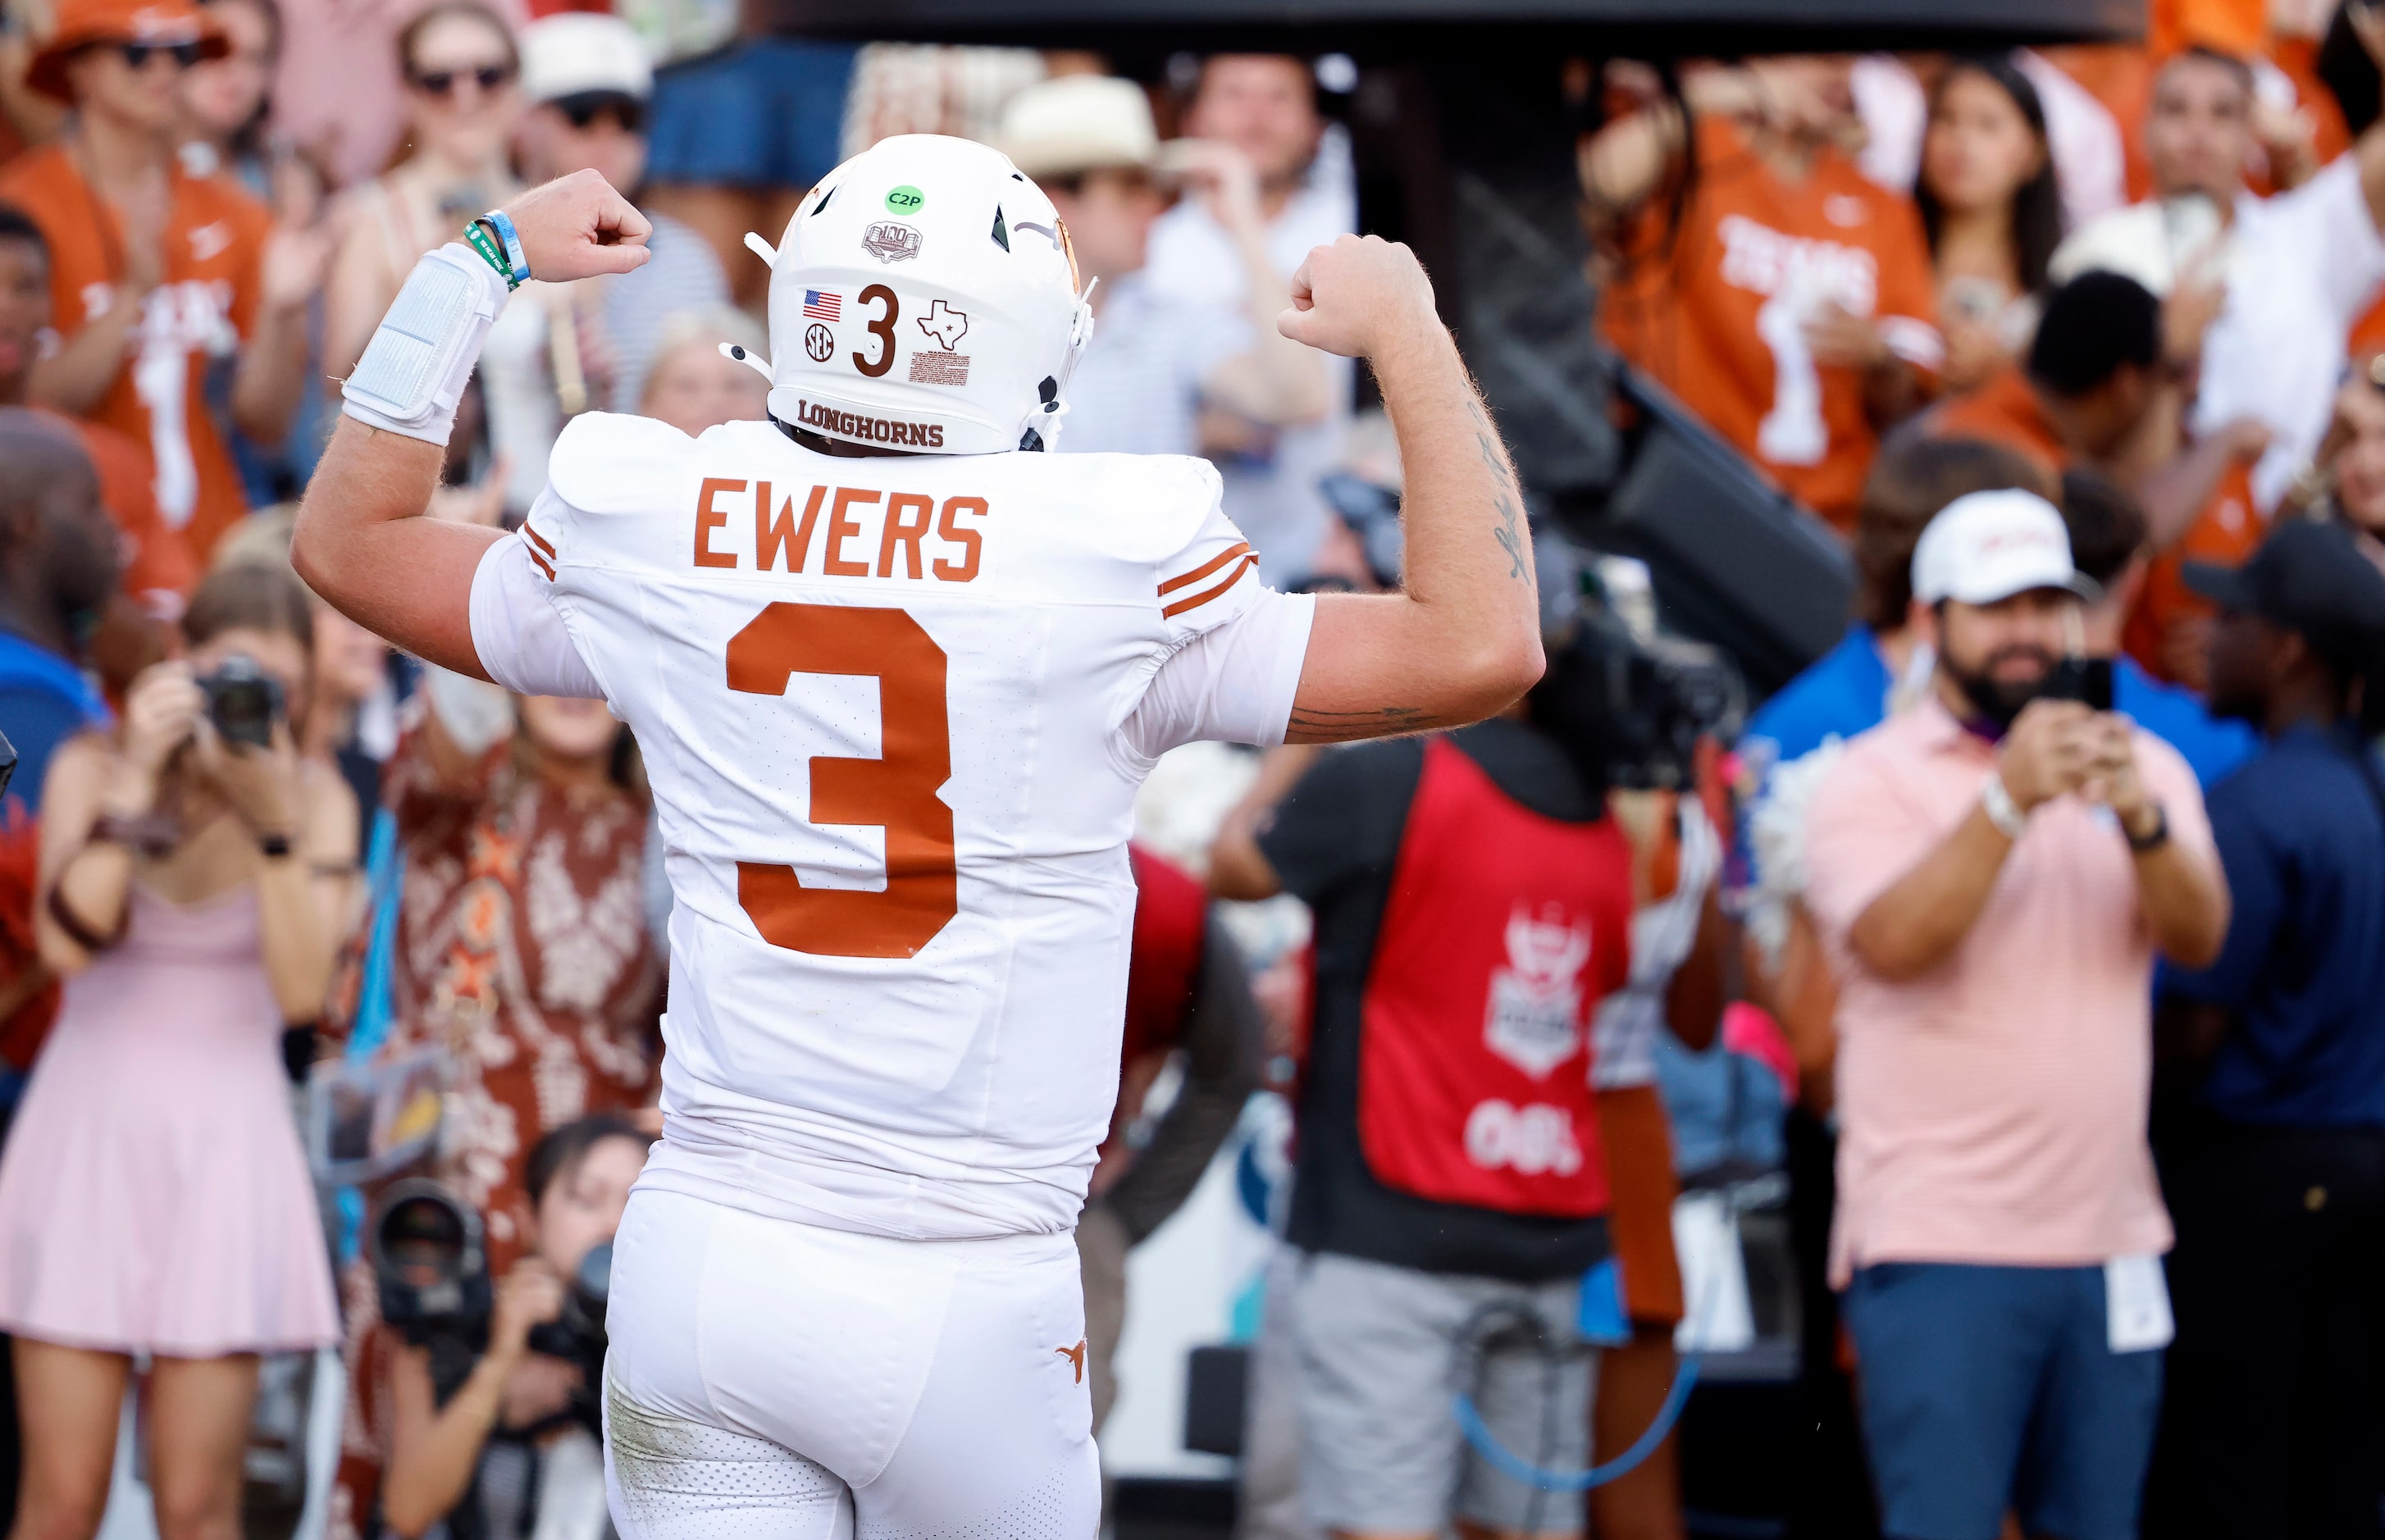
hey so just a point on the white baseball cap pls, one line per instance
(581, 53)
(1073, 124)
(1984, 547)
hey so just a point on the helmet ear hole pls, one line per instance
(1001, 230)
(1049, 391)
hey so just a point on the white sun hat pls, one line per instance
(581, 53)
(1077, 123)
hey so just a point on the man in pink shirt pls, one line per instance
(1993, 871)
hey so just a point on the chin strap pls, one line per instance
(1042, 429)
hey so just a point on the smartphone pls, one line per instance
(2084, 679)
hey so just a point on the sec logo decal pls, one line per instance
(819, 342)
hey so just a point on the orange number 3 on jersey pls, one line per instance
(896, 790)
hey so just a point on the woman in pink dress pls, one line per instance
(153, 1198)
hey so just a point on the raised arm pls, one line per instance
(1463, 639)
(1275, 380)
(362, 541)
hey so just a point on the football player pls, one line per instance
(897, 673)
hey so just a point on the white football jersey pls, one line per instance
(894, 711)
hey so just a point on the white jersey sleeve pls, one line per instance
(1233, 683)
(516, 629)
(1237, 644)
(1212, 576)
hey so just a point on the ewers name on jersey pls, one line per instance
(894, 711)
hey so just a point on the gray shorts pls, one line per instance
(1381, 1355)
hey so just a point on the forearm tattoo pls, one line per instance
(1511, 534)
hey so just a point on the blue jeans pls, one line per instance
(1985, 1388)
(767, 112)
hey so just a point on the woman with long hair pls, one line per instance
(1992, 208)
(1758, 274)
(462, 99)
(155, 1199)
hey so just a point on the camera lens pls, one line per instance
(593, 1277)
(424, 1237)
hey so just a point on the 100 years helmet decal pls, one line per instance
(891, 241)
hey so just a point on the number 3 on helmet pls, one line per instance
(925, 297)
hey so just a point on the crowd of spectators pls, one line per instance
(2076, 350)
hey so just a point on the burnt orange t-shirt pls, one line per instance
(214, 238)
(2165, 630)
(158, 569)
(1715, 310)
(2001, 409)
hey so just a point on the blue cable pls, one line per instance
(1486, 1443)
(1478, 1432)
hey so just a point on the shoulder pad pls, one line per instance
(610, 463)
(1150, 504)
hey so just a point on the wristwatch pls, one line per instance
(2154, 839)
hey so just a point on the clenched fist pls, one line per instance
(1361, 297)
(578, 226)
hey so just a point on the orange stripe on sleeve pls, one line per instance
(1242, 568)
(537, 539)
(540, 562)
(1240, 548)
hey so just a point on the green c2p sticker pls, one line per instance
(904, 200)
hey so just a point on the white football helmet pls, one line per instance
(925, 297)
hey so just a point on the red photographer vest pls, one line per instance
(1171, 917)
(1502, 932)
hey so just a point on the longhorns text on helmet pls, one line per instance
(925, 297)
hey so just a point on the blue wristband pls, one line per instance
(504, 226)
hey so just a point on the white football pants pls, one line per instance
(780, 1381)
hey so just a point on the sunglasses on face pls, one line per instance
(138, 54)
(627, 113)
(585, 108)
(442, 82)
